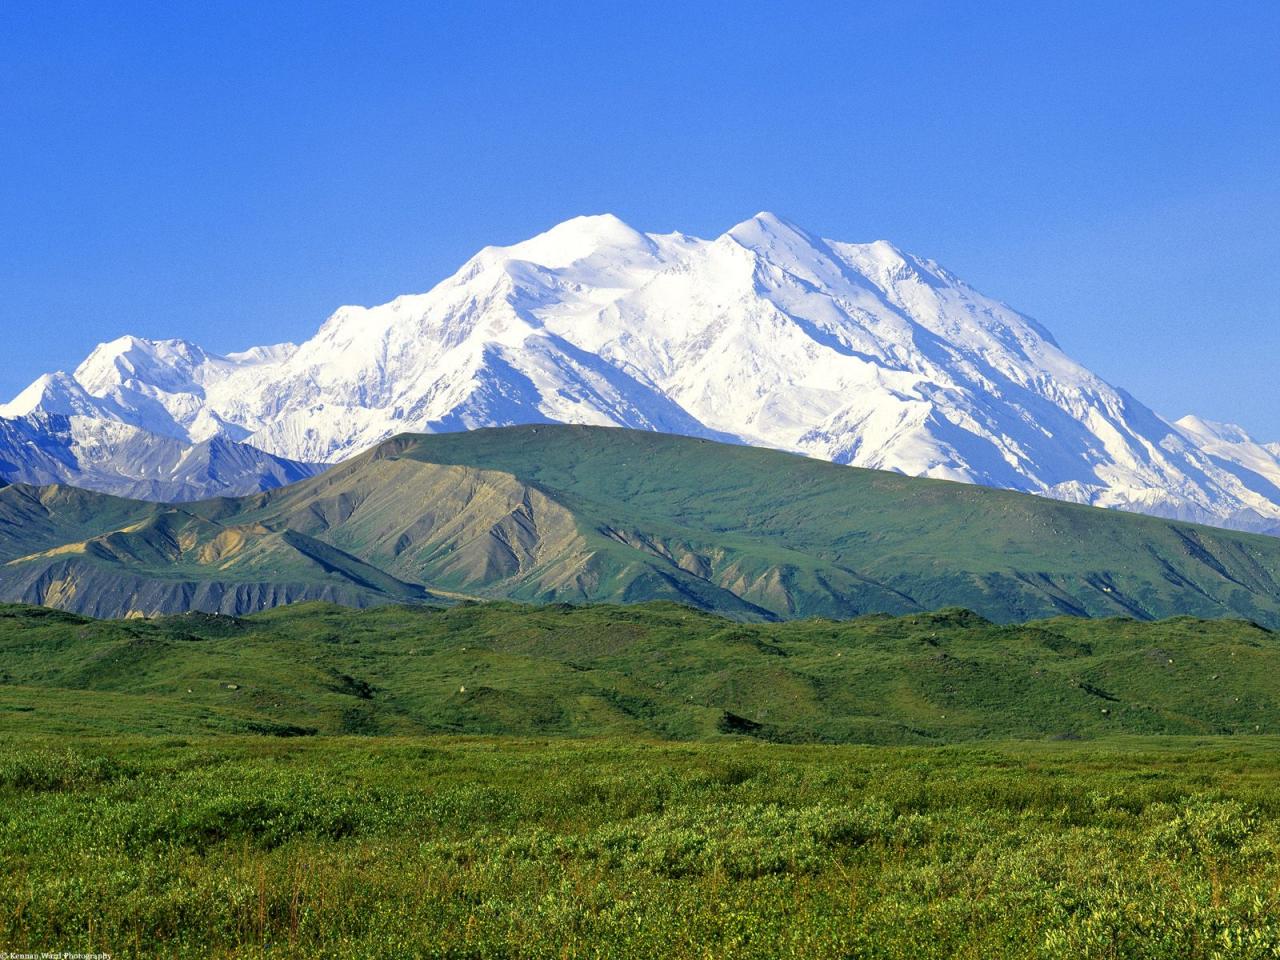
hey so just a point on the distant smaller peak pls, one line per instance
(56, 392)
(59, 380)
(129, 347)
(273, 353)
(1213, 430)
(882, 254)
(129, 342)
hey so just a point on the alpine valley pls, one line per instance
(766, 336)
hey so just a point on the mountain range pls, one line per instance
(767, 335)
(558, 513)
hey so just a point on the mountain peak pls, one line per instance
(165, 363)
(771, 220)
(131, 344)
(776, 239)
(766, 227)
(578, 238)
(56, 393)
(274, 353)
(1203, 429)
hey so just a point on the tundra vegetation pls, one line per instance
(503, 781)
(483, 847)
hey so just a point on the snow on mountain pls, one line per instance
(124, 460)
(1255, 465)
(857, 353)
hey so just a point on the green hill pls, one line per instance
(648, 670)
(586, 514)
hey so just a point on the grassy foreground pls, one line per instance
(470, 847)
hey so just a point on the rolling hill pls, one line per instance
(555, 513)
(649, 670)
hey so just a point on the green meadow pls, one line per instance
(504, 781)
(654, 671)
(481, 847)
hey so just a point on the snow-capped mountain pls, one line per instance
(124, 460)
(856, 353)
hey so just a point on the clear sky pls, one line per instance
(233, 173)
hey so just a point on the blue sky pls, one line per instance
(231, 174)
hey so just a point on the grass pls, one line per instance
(651, 670)
(503, 781)
(483, 847)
